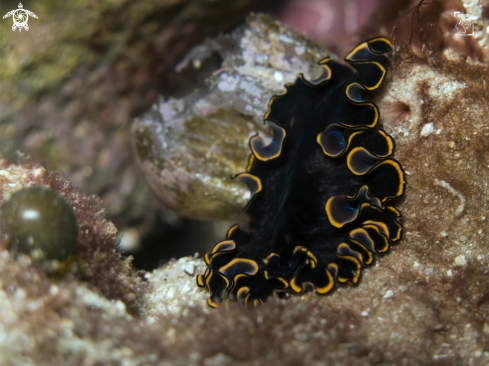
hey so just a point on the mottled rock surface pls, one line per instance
(424, 303)
(166, 298)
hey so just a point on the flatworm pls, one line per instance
(320, 189)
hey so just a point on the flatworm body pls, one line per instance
(320, 189)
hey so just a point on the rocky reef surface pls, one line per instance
(426, 302)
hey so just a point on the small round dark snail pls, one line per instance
(39, 222)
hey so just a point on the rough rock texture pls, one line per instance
(189, 147)
(393, 318)
(424, 303)
(168, 299)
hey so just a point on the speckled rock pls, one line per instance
(173, 288)
(424, 303)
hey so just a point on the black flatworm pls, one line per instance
(320, 189)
